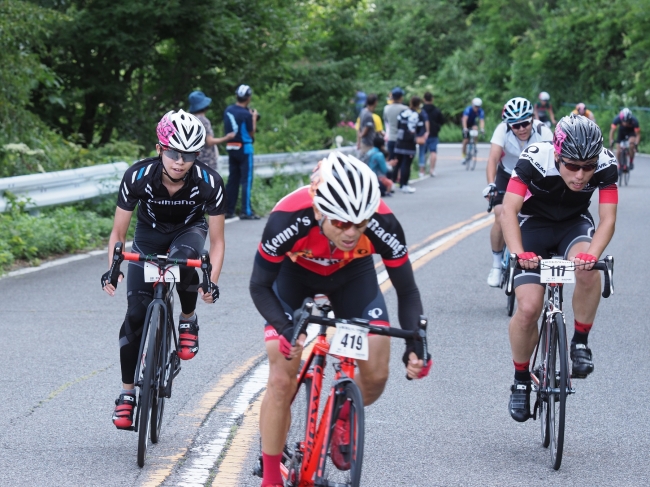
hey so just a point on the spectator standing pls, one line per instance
(376, 158)
(360, 100)
(209, 155)
(241, 120)
(391, 113)
(436, 120)
(411, 130)
(367, 131)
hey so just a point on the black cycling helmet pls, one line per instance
(577, 138)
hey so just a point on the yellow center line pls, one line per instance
(206, 404)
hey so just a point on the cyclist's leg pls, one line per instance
(188, 244)
(465, 141)
(633, 141)
(497, 242)
(359, 296)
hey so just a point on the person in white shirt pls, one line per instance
(517, 131)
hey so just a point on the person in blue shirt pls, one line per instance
(376, 160)
(471, 115)
(241, 120)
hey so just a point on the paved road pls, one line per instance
(62, 371)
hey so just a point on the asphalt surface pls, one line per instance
(453, 428)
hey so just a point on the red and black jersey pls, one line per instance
(292, 231)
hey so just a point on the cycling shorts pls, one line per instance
(501, 182)
(547, 238)
(353, 292)
(625, 133)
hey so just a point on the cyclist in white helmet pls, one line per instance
(320, 240)
(172, 191)
(516, 132)
(543, 109)
(473, 118)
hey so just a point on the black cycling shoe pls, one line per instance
(582, 360)
(520, 401)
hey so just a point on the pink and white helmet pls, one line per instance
(181, 131)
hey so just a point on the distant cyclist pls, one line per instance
(628, 129)
(320, 240)
(473, 118)
(544, 110)
(172, 191)
(581, 109)
(517, 131)
(546, 211)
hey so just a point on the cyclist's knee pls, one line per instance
(587, 278)
(137, 310)
(281, 384)
(529, 308)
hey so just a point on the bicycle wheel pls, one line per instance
(468, 157)
(347, 392)
(162, 375)
(147, 389)
(474, 155)
(559, 382)
(623, 169)
(626, 176)
(292, 455)
(540, 369)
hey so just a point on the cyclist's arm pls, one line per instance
(118, 234)
(611, 133)
(409, 304)
(261, 288)
(464, 122)
(481, 122)
(493, 160)
(607, 220)
(637, 132)
(217, 245)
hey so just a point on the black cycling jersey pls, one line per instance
(203, 192)
(625, 132)
(537, 179)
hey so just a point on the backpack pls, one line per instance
(403, 133)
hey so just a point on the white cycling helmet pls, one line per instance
(477, 102)
(516, 110)
(344, 188)
(181, 131)
(543, 96)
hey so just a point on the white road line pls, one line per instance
(195, 473)
(72, 258)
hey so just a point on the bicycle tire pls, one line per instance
(540, 367)
(474, 155)
(468, 157)
(162, 374)
(626, 177)
(559, 381)
(623, 169)
(348, 391)
(146, 390)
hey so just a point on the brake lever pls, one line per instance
(421, 346)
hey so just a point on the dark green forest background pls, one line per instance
(85, 81)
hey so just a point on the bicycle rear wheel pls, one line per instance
(162, 375)
(346, 392)
(147, 389)
(558, 382)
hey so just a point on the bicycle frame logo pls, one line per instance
(313, 413)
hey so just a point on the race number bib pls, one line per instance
(151, 273)
(557, 271)
(350, 341)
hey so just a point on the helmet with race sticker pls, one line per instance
(577, 138)
(625, 115)
(544, 96)
(516, 110)
(344, 188)
(181, 131)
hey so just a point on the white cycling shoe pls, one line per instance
(494, 277)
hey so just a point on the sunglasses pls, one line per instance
(341, 225)
(520, 125)
(576, 167)
(175, 155)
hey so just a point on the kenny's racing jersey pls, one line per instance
(292, 231)
(203, 192)
(537, 179)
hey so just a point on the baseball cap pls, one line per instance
(397, 92)
(244, 91)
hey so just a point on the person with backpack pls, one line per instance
(411, 130)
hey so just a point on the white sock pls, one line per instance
(496, 258)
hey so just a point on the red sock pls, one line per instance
(583, 327)
(272, 474)
(521, 370)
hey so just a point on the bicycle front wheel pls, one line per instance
(623, 170)
(300, 415)
(162, 375)
(558, 382)
(147, 389)
(474, 156)
(540, 369)
(468, 157)
(347, 392)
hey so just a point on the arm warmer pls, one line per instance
(409, 304)
(265, 300)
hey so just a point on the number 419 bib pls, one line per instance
(350, 341)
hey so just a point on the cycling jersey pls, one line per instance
(202, 192)
(623, 131)
(588, 113)
(292, 231)
(472, 116)
(542, 110)
(536, 178)
(512, 146)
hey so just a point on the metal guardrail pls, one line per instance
(72, 185)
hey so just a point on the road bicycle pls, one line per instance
(306, 459)
(505, 260)
(472, 151)
(550, 376)
(159, 363)
(624, 163)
